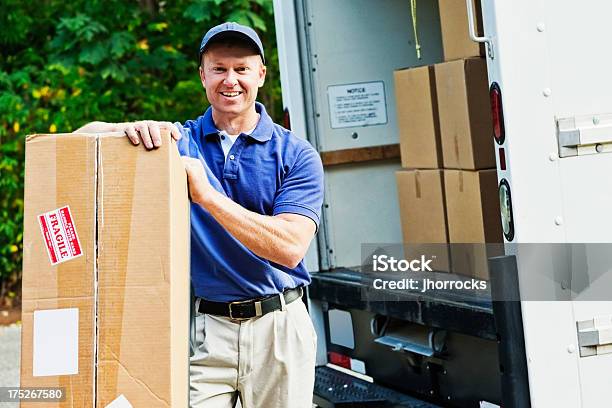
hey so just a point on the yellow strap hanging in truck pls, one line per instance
(413, 10)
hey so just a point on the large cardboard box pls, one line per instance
(105, 271)
(417, 118)
(456, 41)
(465, 114)
(472, 206)
(423, 216)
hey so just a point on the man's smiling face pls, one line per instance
(231, 76)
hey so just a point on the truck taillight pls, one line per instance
(497, 112)
(339, 359)
(505, 204)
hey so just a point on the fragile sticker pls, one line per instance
(60, 235)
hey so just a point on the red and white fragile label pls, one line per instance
(60, 235)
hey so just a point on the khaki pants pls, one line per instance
(265, 362)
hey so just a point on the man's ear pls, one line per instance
(202, 76)
(262, 75)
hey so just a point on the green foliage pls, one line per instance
(64, 64)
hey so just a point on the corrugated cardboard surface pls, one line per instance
(142, 270)
(422, 214)
(143, 256)
(471, 260)
(472, 205)
(456, 41)
(417, 116)
(60, 170)
(465, 114)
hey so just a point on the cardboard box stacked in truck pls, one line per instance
(423, 216)
(105, 271)
(456, 42)
(449, 176)
(420, 183)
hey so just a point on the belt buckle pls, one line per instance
(231, 316)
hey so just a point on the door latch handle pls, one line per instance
(472, 30)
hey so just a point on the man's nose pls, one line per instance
(230, 78)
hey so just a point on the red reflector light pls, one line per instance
(502, 158)
(339, 359)
(497, 113)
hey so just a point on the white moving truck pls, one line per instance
(548, 69)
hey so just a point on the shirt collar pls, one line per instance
(263, 130)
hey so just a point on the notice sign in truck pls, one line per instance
(361, 104)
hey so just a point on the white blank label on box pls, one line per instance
(56, 342)
(120, 402)
(360, 104)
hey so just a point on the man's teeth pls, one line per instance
(230, 94)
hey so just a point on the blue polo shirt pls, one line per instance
(270, 171)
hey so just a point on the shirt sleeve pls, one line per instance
(188, 147)
(302, 189)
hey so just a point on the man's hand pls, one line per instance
(199, 186)
(148, 131)
(145, 131)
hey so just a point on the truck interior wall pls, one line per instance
(366, 44)
(362, 209)
(348, 44)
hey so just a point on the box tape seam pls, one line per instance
(97, 194)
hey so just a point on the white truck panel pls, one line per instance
(293, 87)
(549, 64)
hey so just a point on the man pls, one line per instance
(256, 192)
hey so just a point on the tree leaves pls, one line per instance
(93, 54)
(202, 11)
(120, 43)
(17, 23)
(255, 21)
(115, 71)
(82, 26)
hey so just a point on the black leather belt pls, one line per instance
(247, 309)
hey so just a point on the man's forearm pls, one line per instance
(269, 237)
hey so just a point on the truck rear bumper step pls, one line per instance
(335, 389)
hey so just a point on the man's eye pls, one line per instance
(242, 69)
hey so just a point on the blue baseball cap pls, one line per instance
(234, 29)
